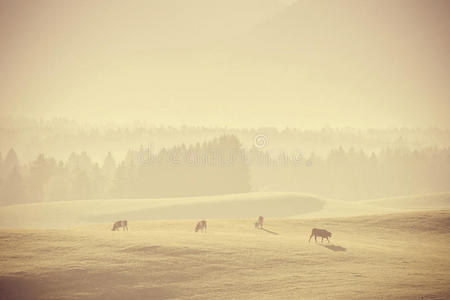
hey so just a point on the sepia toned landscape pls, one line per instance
(211, 149)
(395, 256)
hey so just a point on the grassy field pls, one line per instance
(67, 214)
(416, 202)
(390, 256)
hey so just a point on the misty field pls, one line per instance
(393, 256)
(68, 214)
(323, 116)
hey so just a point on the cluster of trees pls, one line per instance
(223, 166)
(355, 175)
(54, 138)
(214, 167)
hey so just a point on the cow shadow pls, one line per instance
(266, 230)
(332, 247)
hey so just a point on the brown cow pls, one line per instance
(201, 225)
(320, 233)
(118, 224)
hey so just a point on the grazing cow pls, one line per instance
(201, 225)
(259, 223)
(320, 233)
(118, 224)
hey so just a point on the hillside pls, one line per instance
(396, 256)
(430, 201)
(67, 214)
(335, 208)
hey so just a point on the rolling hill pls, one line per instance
(394, 256)
(418, 202)
(66, 214)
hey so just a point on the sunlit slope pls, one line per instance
(430, 201)
(336, 208)
(66, 214)
(395, 256)
(72, 213)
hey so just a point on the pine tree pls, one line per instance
(10, 163)
(14, 191)
(41, 170)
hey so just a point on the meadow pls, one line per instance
(69, 214)
(385, 256)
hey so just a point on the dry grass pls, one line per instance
(430, 201)
(396, 256)
(67, 214)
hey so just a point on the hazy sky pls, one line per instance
(230, 63)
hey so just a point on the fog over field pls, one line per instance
(239, 149)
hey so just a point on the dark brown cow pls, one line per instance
(320, 233)
(118, 224)
(201, 226)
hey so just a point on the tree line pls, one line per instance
(223, 166)
(213, 167)
(54, 137)
(349, 174)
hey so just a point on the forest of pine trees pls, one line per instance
(356, 175)
(222, 166)
(215, 167)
